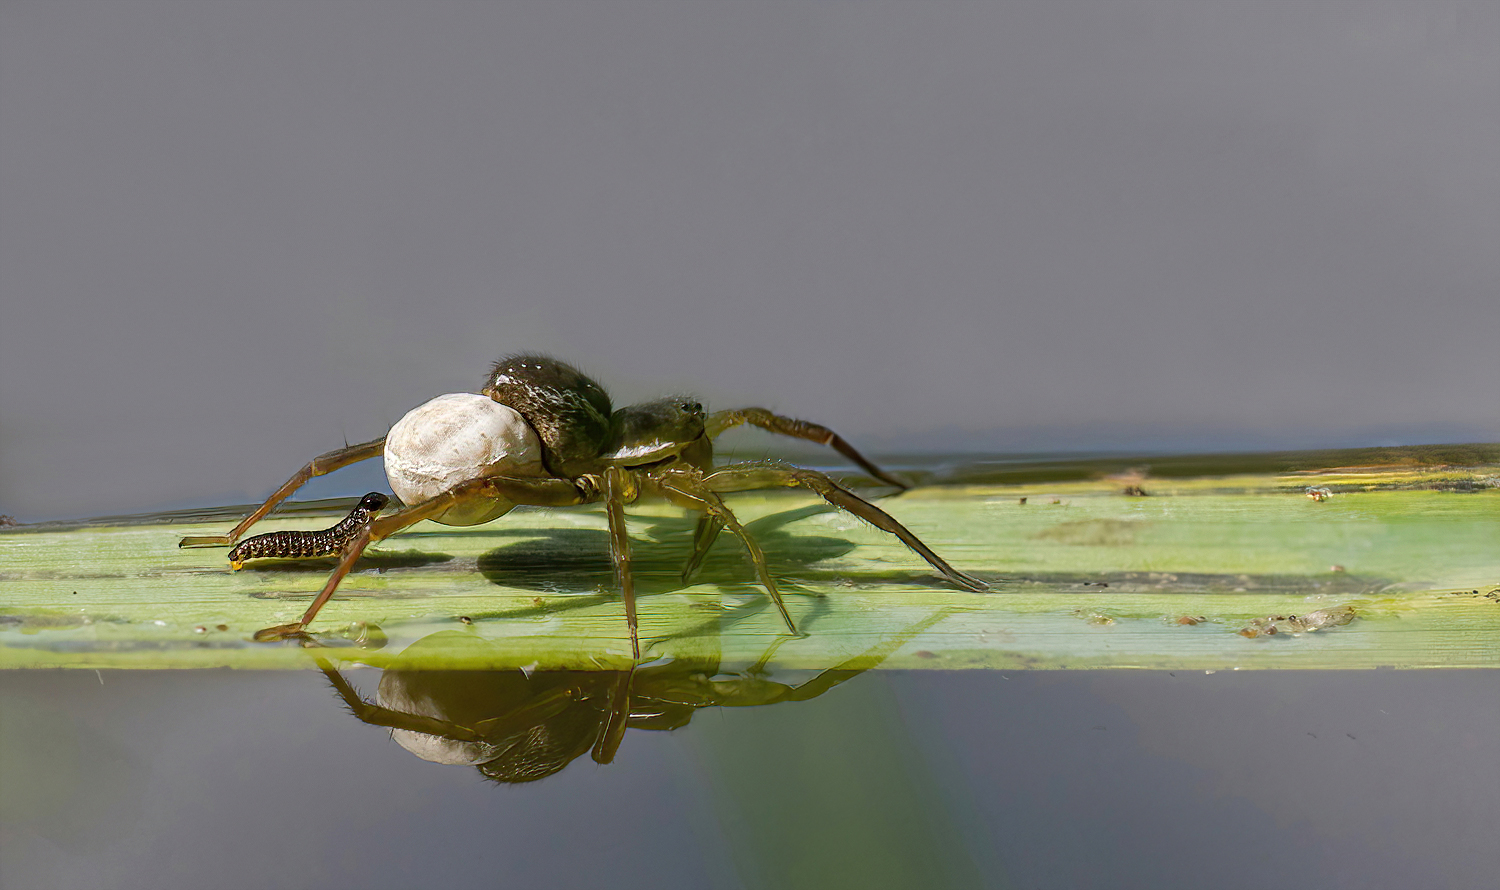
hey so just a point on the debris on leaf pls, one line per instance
(1131, 481)
(1298, 624)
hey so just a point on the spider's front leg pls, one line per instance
(321, 465)
(620, 489)
(701, 456)
(750, 476)
(782, 425)
(704, 534)
(527, 490)
(687, 488)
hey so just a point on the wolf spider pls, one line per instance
(589, 452)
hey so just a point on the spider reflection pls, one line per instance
(516, 726)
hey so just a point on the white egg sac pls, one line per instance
(452, 439)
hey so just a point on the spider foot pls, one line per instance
(205, 541)
(969, 582)
(280, 632)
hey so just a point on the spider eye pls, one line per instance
(691, 407)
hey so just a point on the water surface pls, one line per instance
(167, 779)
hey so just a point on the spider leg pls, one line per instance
(700, 455)
(545, 492)
(612, 732)
(321, 465)
(748, 476)
(704, 535)
(619, 488)
(542, 709)
(720, 421)
(688, 490)
(375, 715)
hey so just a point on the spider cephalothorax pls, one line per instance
(543, 433)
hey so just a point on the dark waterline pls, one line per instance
(893, 779)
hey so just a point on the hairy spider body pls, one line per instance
(570, 412)
(589, 452)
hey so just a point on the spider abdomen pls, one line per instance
(567, 408)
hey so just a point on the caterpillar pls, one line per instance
(304, 545)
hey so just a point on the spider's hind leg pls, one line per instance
(535, 491)
(321, 465)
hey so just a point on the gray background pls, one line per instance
(233, 235)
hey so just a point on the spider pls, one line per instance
(542, 433)
(519, 726)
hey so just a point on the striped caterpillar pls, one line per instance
(304, 545)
